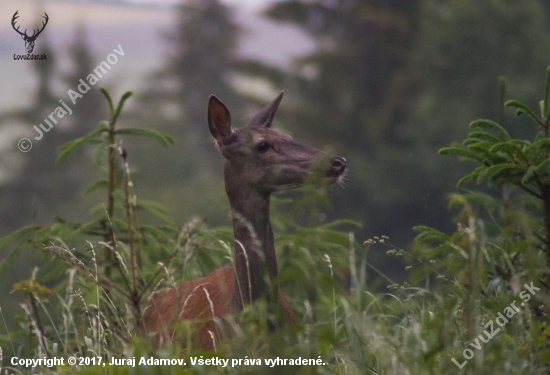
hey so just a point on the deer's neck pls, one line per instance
(254, 245)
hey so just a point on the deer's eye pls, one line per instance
(262, 147)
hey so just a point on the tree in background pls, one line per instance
(393, 81)
(87, 112)
(40, 190)
(31, 188)
(356, 89)
(89, 109)
(463, 47)
(202, 61)
(364, 51)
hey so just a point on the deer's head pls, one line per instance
(264, 158)
(29, 39)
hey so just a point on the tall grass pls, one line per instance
(101, 274)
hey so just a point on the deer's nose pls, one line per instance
(338, 164)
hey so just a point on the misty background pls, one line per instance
(383, 83)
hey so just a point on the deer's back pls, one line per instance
(201, 300)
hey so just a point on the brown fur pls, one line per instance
(164, 309)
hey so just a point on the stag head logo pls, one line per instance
(29, 39)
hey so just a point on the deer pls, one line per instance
(257, 161)
(29, 39)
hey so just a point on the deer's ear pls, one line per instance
(219, 120)
(265, 116)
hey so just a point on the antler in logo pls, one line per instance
(29, 40)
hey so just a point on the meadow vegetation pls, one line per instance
(476, 301)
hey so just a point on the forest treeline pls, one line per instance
(85, 241)
(388, 85)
